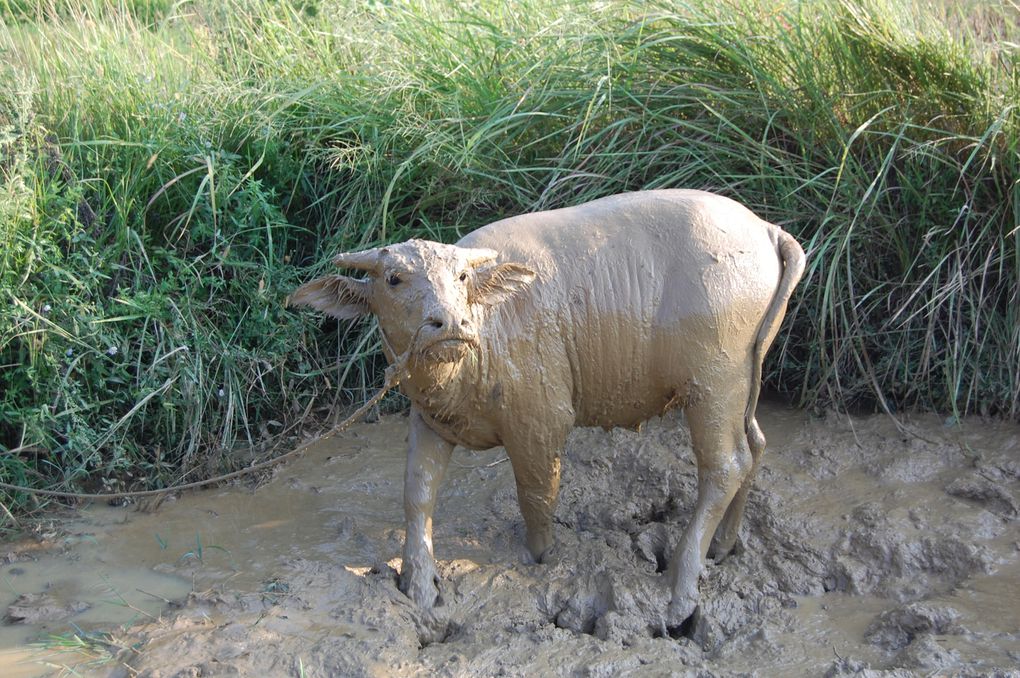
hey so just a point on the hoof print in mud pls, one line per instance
(897, 628)
(34, 608)
(994, 497)
(650, 544)
(925, 653)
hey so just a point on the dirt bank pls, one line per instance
(865, 546)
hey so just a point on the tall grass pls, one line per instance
(170, 171)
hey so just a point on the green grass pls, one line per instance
(169, 172)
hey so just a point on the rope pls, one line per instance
(395, 373)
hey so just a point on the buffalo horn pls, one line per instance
(368, 260)
(479, 256)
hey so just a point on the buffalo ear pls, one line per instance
(339, 296)
(496, 284)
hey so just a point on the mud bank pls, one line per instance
(865, 547)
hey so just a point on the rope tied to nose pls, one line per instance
(395, 373)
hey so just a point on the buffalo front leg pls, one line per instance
(724, 461)
(427, 459)
(535, 458)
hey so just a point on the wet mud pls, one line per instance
(866, 547)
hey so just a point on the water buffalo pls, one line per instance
(604, 314)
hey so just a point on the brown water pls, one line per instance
(864, 546)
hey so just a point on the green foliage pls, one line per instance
(146, 11)
(170, 171)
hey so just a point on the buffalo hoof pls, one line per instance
(721, 548)
(539, 548)
(546, 556)
(688, 626)
(433, 626)
(680, 614)
(421, 585)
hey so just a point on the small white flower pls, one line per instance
(69, 352)
(221, 393)
(46, 308)
(111, 351)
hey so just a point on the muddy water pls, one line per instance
(865, 546)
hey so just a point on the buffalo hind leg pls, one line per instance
(726, 534)
(536, 463)
(427, 458)
(724, 462)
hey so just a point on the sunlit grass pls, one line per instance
(170, 171)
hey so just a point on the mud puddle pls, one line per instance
(864, 546)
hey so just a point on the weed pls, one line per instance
(198, 553)
(90, 650)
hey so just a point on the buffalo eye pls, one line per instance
(393, 280)
(463, 276)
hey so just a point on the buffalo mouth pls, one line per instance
(449, 350)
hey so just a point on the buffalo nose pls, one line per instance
(439, 320)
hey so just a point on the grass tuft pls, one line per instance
(170, 171)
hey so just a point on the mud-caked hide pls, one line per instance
(603, 314)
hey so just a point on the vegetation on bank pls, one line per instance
(170, 171)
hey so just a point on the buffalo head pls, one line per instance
(429, 297)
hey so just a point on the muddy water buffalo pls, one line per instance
(604, 314)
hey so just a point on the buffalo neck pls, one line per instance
(450, 400)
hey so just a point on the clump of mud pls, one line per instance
(866, 546)
(34, 608)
